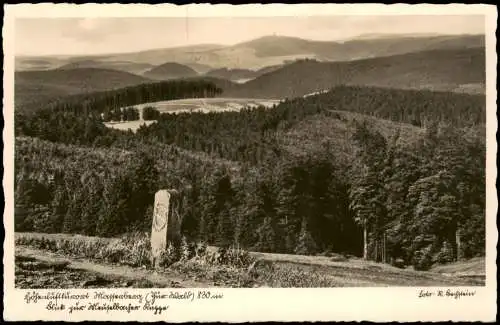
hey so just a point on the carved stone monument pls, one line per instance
(166, 222)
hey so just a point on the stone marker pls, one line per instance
(166, 223)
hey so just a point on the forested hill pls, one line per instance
(33, 89)
(127, 66)
(449, 70)
(420, 198)
(361, 48)
(417, 107)
(78, 119)
(461, 70)
(231, 74)
(420, 108)
(251, 135)
(170, 70)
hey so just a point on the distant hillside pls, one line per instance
(268, 46)
(367, 36)
(34, 64)
(200, 68)
(388, 45)
(268, 69)
(231, 74)
(170, 70)
(38, 63)
(181, 54)
(34, 88)
(225, 84)
(275, 50)
(238, 75)
(131, 67)
(445, 70)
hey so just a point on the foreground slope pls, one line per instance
(268, 270)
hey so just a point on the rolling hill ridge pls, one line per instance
(443, 70)
(232, 74)
(35, 88)
(126, 66)
(170, 70)
(271, 50)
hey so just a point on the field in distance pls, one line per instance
(191, 105)
(124, 126)
(207, 105)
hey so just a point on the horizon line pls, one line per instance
(340, 41)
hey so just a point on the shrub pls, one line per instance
(238, 258)
(422, 259)
(201, 248)
(288, 276)
(169, 256)
(131, 249)
(150, 113)
(445, 254)
(187, 249)
(114, 253)
(399, 263)
(138, 245)
(306, 244)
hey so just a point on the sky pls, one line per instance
(85, 36)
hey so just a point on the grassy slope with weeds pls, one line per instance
(231, 267)
(196, 262)
(33, 271)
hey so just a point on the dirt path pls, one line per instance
(274, 270)
(113, 273)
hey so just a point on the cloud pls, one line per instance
(112, 35)
(95, 30)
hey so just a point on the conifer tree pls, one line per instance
(305, 244)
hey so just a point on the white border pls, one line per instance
(239, 305)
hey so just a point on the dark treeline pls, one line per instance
(426, 202)
(150, 113)
(246, 136)
(121, 114)
(418, 107)
(97, 103)
(77, 119)
(422, 204)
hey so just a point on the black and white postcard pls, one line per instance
(236, 163)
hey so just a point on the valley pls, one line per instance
(191, 105)
(207, 105)
(455, 70)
